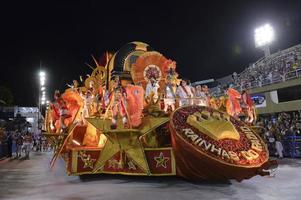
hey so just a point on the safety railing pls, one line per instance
(260, 83)
(292, 146)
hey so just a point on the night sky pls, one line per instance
(208, 40)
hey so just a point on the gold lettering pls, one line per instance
(253, 153)
(250, 154)
(246, 155)
(245, 129)
(256, 145)
(251, 136)
(233, 155)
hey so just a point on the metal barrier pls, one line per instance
(292, 146)
(267, 81)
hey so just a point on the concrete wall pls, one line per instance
(272, 105)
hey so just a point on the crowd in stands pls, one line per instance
(269, 70)
(277, 126)
(277, 67)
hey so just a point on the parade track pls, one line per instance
(32, 179)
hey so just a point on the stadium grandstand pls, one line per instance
(279, 67)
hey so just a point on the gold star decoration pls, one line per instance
(87, 160)
(161, 160)
(126, 140)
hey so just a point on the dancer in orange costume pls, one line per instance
(135, 101)
(249, 107)
(54, 117)
(233, 105)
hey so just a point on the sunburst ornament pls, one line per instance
(149, 65)
(152, 71)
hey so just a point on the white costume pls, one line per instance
(200, 98)
(169, 99)
(279, 149)
(184, 92)
(152, 88)
(88, 100)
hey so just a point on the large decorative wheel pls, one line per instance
(149, 65)
(212, 145)
(152, 71)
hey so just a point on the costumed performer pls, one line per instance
(169, 95)
(248, 106)
(151, 90)
(233, 107)
(200, 96)
(205, 89)
(61, 105)
(184, 93)
(88, 100)
(118, 104)
(100, 100)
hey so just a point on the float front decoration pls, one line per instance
(210, 144)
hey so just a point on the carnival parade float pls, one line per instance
(132, 116)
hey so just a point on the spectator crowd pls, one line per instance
(278, 67)
(20, 144)
(277, 126)
(269, 70)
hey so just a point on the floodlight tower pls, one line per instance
(42, 93)
(264, 36)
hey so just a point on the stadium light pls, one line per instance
(42, 74)
(42, 89)
(264, 36)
